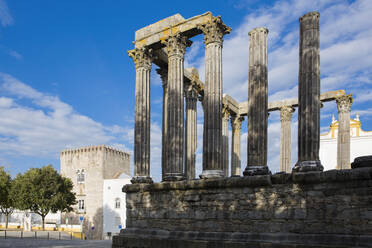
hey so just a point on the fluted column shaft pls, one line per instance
(212, 103)
(257, 104)
(236, 125)
(164, 77)
(142, 60)
(176, 47)
(309, 95)
(225, 142)
(285, 138)
(191, 132)
(343, 139)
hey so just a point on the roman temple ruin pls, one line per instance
(302, 206)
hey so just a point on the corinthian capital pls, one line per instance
(225, 113)
(142, 57)
(176, 45)
(190, 92)
(344, 103)
(236, 122)
(286, 113)
(214, 30)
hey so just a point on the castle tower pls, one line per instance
(88, 167)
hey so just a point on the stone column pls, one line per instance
(309, 95)
(176, 47)
(191, 132)
(142, 60)
(164, 77)
(212, 103)
(236, 125)
(225, 141)
(285, 138)
(343, 138)
(257, 104)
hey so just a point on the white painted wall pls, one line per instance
(360, 144)
(27, 220)
(328, 153)
(112, 216)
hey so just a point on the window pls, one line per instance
(81, 206)
(117, 203)
(81, 176)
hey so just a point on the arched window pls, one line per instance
(117, 203)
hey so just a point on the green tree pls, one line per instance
(6, 195)
(43, 190)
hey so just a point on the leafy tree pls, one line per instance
(43, 190)
(6, 195)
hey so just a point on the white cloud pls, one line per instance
(48, 125)
(15, 54)
(5, 18)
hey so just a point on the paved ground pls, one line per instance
(39, 235)
(35, 243)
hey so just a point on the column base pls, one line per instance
(141, 179)
(174, 177)
(306, 166)
(256, 170)
(363, 161)
(212, 174)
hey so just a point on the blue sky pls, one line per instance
(66, 80)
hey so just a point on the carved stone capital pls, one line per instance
(236, 122)
(214, 30)
(176, 45)
(225, 113)
(344, 103)
(190, 92)
(142, 57)
(286, 113)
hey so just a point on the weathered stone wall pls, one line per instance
(313, 209)
(115, 163)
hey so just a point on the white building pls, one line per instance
(114, 207)
(88, 168)
(27, 221)
(360, 143)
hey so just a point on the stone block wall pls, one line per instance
(316, 209)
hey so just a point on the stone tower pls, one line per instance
(88, 167)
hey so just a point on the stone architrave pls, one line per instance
(176, 48)
(285, 138)
(164, 77)
(309, 95)
(343, 139)
(257, 104)
(213, 31)
(142, 59)
(225, 141)
(236, 125)
(191, 131)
